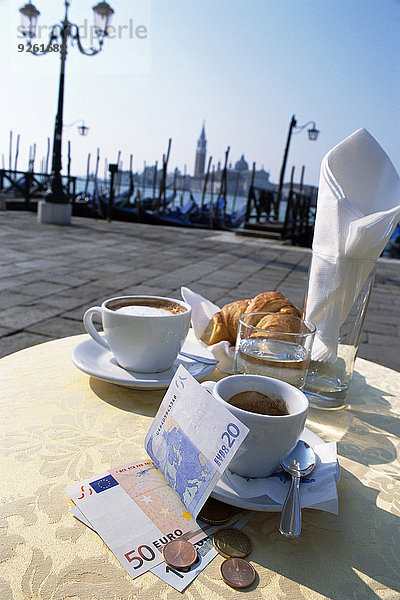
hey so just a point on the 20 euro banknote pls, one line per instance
(192, 440)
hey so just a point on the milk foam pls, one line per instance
(143, 311)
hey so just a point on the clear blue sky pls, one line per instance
(243, 66)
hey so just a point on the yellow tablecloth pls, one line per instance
(59, 426)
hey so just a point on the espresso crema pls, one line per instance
(256, 402)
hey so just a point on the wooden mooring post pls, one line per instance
(113, 168)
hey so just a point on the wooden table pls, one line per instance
(59, 426)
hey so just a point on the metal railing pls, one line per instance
(30, 186)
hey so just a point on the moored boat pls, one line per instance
(178, 216)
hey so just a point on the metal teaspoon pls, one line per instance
(197, 352)
(300, 461)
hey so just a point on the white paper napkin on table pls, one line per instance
(202, 311)
(317, 490)
(358, 208)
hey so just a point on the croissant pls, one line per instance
(224, 324)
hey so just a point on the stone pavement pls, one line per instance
(49, 275)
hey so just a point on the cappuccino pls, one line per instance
(144, 333)
(261, 404)
(146, 307)
(143, 311)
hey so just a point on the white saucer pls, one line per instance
(223, 490)
(93, 359)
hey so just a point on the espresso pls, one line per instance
(146, 307)
(256, 402)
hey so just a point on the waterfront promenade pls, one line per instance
(49, 275)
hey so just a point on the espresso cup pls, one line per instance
(271, 437)
(144, 333)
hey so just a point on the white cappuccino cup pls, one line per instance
(144, 333)
(272, 436)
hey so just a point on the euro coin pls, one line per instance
(215, 512)
(179, 554)
(238, 573)
(230, 542)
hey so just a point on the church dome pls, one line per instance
(241, 164)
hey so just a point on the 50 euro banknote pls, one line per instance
(181, 578)
(139, 507)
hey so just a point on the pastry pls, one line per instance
(224, 324)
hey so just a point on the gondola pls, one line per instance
(123, 210)
(218, 217)
(232, 220)
(178, 216)
(190, 215)
(86, 205)
(206, 215)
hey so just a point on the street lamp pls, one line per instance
(29, 17)
(82, 129)
(313, 133)
(58, 41)
(102, 17)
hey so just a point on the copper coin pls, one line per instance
(179, 554)
(216, 512)
(232, 542)
(238, 573)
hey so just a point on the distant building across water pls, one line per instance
(200, 160)
(238, 177)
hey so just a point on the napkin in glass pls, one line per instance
(318, 490)
(357, 211)
(202, 311)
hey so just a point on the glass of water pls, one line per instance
(274, 345)
(339, 330)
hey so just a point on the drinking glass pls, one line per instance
(280, 350)
(328, 380)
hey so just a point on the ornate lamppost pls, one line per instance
(59, 36)
(313, 133)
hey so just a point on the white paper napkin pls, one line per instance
(317, 490)
(202, 311)
(358, 208)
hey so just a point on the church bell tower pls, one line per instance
(200, 154)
